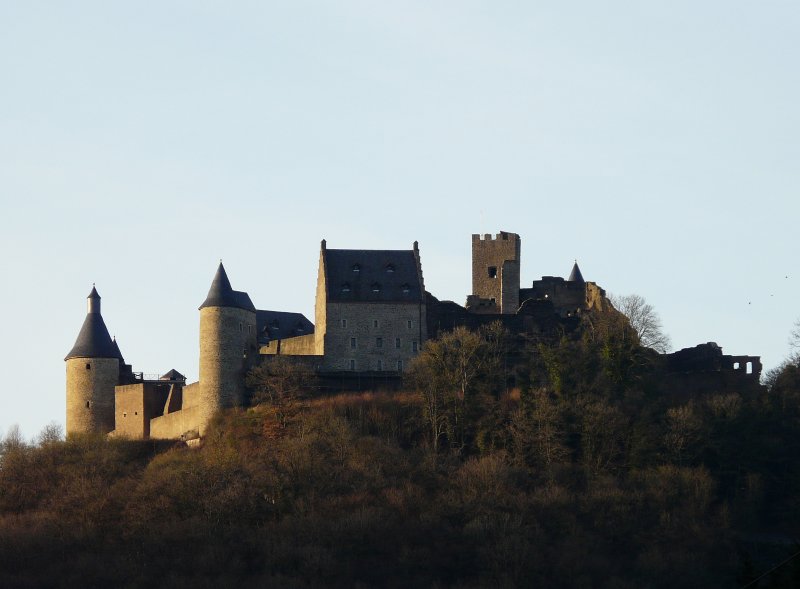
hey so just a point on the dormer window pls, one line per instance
(406, 289)
(375, 287)
(390, 268)
(346, 287)
(356, 268)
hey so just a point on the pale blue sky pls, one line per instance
(656, 142)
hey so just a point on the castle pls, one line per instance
(372, 317)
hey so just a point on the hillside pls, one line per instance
(586, 475)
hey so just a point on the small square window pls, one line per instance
(397, 342)
(378, 342)
(352, 342)
(492, 271)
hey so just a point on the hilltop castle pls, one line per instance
(372, 316)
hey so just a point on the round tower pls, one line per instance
(92, 374)
(228, 347)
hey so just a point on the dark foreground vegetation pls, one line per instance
(580, 477)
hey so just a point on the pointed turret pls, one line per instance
(228, 347)
(575, 275)
(221, 294)
(93, 370)
(93, 340)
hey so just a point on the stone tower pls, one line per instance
(228, 347)
(93, 369)
(496, 269)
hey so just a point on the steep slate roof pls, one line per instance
(221, 294)
(372, 276)
(94, 340)
(172, 375)
(275, 325)
(117, 350)
(575, 275)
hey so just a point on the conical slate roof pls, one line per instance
(117, 350)
(221, 294)
(575, 275)
(94, 340)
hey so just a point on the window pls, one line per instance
(249, 329)
(346, 287)
(240, 326)
(410, 324)
(390, 268)
(343, 322)
(397, 342)
(356, 268)
(413, 346)
(125, 414)
(375, 287)
(88, 366)
(352, 364)
(380, 364)
(492, 270)
(352, 342)
(88, 404)
(374, 323)
(406, 289)
(378, 342)
(400, 366)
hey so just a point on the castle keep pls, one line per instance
(372, 317)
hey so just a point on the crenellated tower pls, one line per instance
(496, 270)
(93, 370)
(228, 347)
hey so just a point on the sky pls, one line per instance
(656, 142)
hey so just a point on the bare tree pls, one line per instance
(794, 341)
(644, 320)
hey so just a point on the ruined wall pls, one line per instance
(90, 394)
(373, 336)
(228, 349)
(567, 297)
(302, 345)
(496, 269)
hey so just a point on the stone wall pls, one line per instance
(175, 425)
(136, 404)
(228, 349)
(90, 394)
(496, 269)
(373, 336)
(302, 345)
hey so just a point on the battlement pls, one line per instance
(502, 236)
